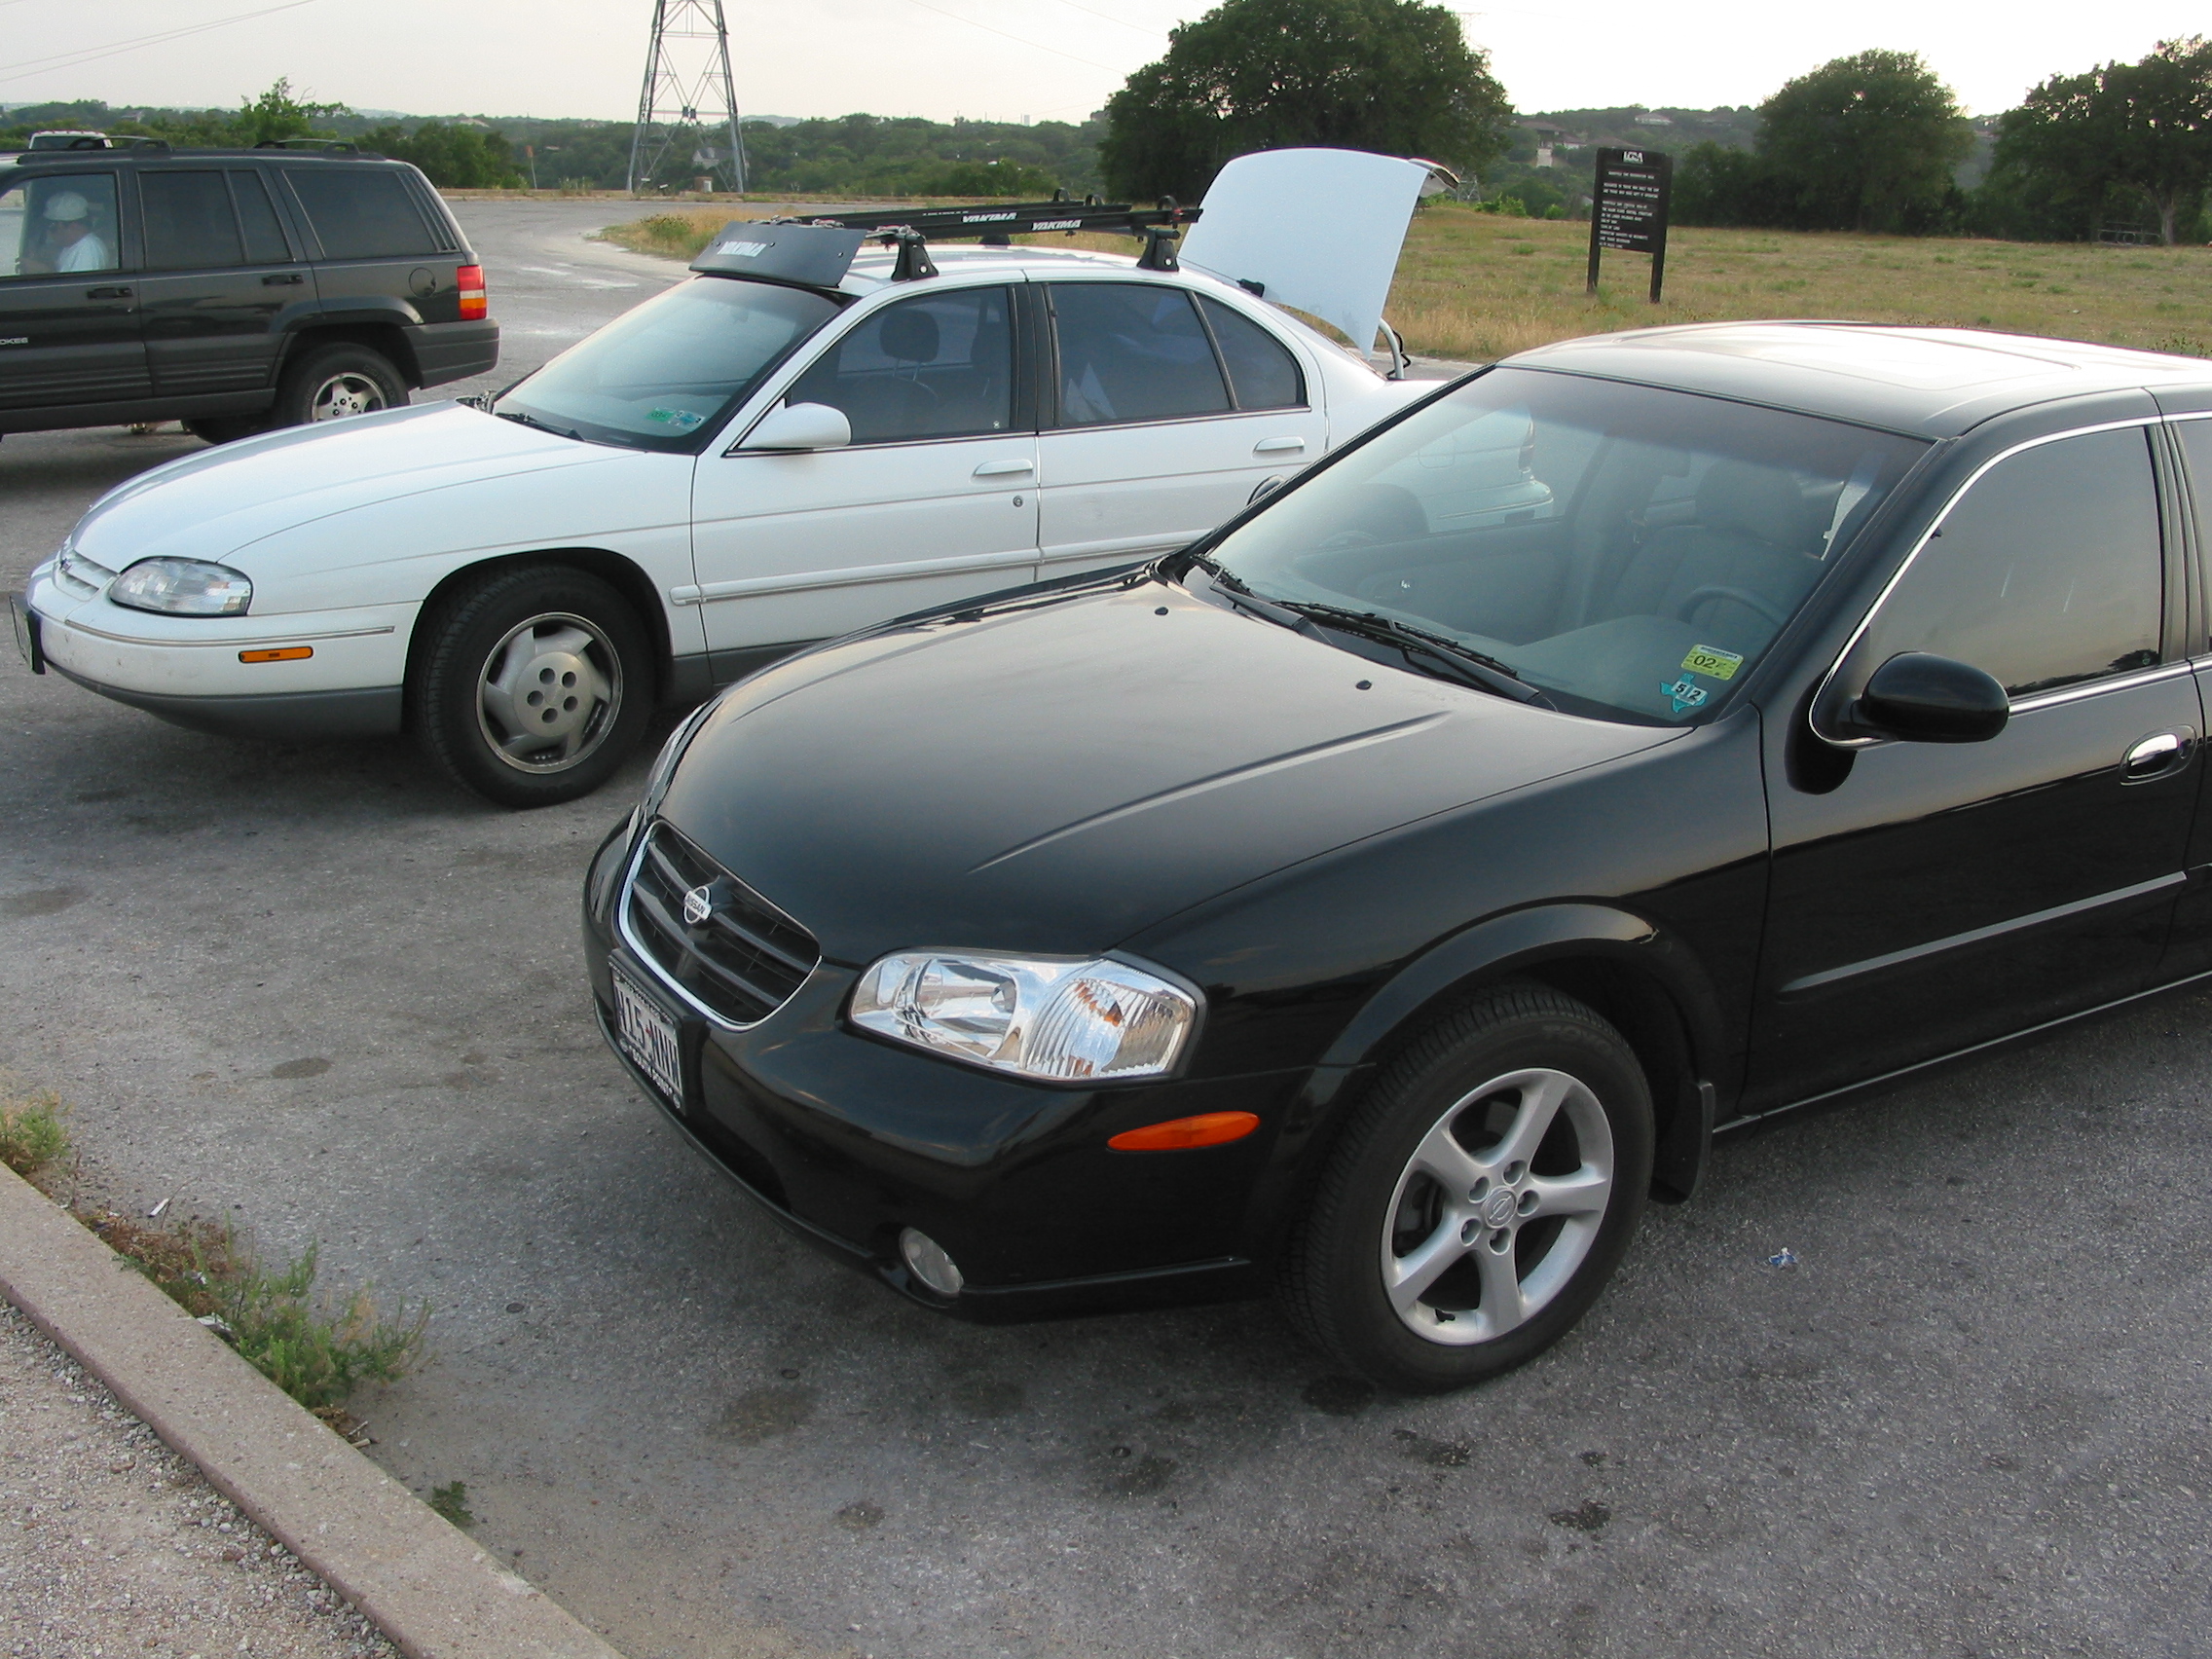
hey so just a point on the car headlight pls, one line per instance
(1063, 1020)
(183, 587)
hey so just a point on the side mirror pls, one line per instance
(802, 426)
(1925, 698)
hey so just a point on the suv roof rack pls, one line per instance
(306, 148)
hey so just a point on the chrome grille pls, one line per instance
(741, 962)
(79, 573)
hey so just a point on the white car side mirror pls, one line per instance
(802, 426)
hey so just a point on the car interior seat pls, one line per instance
(1740, 569)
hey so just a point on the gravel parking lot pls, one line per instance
(316, 990)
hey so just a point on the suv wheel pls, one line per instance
(532, 684)
(1481, 1198)
(225, 428)
(328, 383)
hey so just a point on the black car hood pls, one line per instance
(1054, 773)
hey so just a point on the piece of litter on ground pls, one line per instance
(155, 1214)
(1783, 1258)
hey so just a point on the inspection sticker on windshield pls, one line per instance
(685, 419)
(1712, 662)
(1684, 695)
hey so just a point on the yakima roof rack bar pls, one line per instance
(782, 249)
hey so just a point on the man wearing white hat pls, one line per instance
(76, 246)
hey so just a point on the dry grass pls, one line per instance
(32, 1134)
(1473, 286)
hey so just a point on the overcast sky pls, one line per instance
(996, 60)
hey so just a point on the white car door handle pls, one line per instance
(1277, 446)
(1003, 468)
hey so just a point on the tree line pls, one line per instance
(1873, 142)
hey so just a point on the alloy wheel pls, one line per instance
(344, 394)
(1499, 1206)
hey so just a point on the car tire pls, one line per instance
(1479, 1199)
(328, 383)
(227, 428)
(532, 685)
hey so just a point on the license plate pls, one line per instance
(27, 633)
(649, 1037)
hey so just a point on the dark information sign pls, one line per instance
(1629, 209)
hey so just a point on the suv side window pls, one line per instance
(934, 366)
(1262, 372)
(2046, 574)
(2196, 437)
(1133, 352)
(55, 224)
(360, 212)
(265, 242)
(189, 222)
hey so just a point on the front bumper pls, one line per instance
(189, 670)
(847, 1140)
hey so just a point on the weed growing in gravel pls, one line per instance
(317, 1350)
(31, 1134)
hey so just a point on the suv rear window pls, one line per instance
(360, 212)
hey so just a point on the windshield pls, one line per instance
(1621, 549)
(660, 376)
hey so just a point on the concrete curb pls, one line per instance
(419, 1579)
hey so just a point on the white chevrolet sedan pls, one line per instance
(745, 463)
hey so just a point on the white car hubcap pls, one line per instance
(550, 692)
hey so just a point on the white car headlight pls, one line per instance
(1064, 1019)
(183, 587)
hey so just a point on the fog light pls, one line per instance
(929, 1261)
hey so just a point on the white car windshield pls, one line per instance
(662, 376)
(1610, 549)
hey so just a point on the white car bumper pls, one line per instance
(301, 675)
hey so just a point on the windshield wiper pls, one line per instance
(1468, 663)
(522, 420)
(1243, 598)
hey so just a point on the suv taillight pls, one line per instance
(474, 305)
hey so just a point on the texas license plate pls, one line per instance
(647, 1036)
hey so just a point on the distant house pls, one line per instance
(1649, 120)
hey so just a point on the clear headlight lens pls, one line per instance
(1064, 1019)
(183, 587)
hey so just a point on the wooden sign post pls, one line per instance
(1628, 209)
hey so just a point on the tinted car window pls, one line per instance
(2046, 574)
(62, 223)
(1262, 372)
(937, 366)
(2196, 454)
(264, 236)
(189, 222)
(1628, 551)
(655, 375)
(1131, 351)
(360, 212)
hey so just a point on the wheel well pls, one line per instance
(616, 571)
(385, 339)
(1641, 1009)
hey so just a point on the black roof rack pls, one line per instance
(126, 145)
(996, 225)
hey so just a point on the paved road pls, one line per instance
(314, 989)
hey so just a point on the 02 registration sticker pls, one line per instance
(647, 1036)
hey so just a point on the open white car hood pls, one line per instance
(1316, 230)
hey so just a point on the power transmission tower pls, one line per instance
(687, 98)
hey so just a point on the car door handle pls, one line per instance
(1277, 446)
(283, 279)
(107, 293)
(1003, 468)
(2155, 756)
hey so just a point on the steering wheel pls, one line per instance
(1767, 608)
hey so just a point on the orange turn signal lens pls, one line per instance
(1181, 1134)
(278, 654)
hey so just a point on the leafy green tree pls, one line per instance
(1393, 76)
(1866, 144)
(453, 157)
(2139, 133)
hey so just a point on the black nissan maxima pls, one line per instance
(1380, 900)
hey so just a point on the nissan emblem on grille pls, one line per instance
(698, 905)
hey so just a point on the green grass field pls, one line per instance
(1474, 285)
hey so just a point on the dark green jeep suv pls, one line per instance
(234, 290)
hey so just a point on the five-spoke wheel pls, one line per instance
(1479, 1197)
